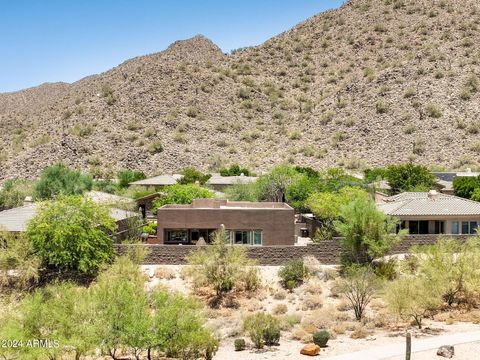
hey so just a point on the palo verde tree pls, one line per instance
(72, 232)
(60, 180)
(368, 233)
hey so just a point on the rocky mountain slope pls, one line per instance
(372, 83)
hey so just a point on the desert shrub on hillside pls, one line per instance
(321, 338)
(292, 274)
(263, 329)
(358, 286)
(17, 254)
(222, 266)
(451, 268)
(433, 110)
(411, 298)
(155, 147)
(125, 177)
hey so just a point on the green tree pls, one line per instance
(125, 177)
(60, 180)
(178, 327)
(476, 194)
(273, 186)
(221, 266)
(192, 176)
(299, 191)
(13, 193)
(72, 233)
(466, 186)
(368, 233)
(242, 192)
(409, 177)
(372, 175)
(236, 170)
(181, 194)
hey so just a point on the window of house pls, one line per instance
(465, 227)
(418, 227)
(455, 227)
(439, 227)
(240, 237)
(473, 227)
(176, 236)
(257, 237)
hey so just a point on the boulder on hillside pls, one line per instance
(446, 351)
(310, 350)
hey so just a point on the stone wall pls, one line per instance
(327, 252)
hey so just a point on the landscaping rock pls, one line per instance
(446, 351)
(310, 350)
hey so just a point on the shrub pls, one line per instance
(381, 107)
(181, 194)
(433, 111)
(60, 180)
(220, 266)
(359, 332)
(293, 273)
(192, 175)
(82, 130)
(239, 344)
(13, 193)
(409, 177)
(73, 233)
(280, 309)
(321, 338)
(358, 286)
(263, 329)
(155, 147)
(236, 170)
(125, 177)
(411, 298)
(192, 112)
(464, 186)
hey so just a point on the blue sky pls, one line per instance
(53, 40)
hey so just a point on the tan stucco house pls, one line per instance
(433, 213)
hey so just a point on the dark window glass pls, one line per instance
(465, 227)
(241, 237)
(439, 227)
(177, 236)
(423, 227)
(473, 227)
(413, 227)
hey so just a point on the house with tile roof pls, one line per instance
(219, 182)
(161, 180)
(433, 213)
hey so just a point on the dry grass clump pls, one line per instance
(298, 333)
(311, 302)
(313, 287)
(339, 328)
(288, 321)
(280, 294)
(280, 309)
(163, 272)
(360, 332)
(343, 305)
(321, 318)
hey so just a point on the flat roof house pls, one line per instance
(433, 213)
(247, 223)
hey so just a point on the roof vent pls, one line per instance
(433, 194)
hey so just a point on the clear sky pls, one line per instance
(65, 40)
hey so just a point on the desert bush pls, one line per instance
(82, 130)
(192, 112)
(311, 302)
(155, 147)
(239, 344)
(360, 332)
(358, 286)
(181, 194)
(409, 177)
(411, 298)
(464, 186)
(386, 269)
(125, 177)
(17, 254)
(288, 321)
(292, 274)
(433, 110)
(263, 329)
(321, 338)
(220, 265)
(280, 309)
(279, 294)
(13, 193)
(381, 107)
(192, 176)
(451, 268)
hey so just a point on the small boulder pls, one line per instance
(446, 351)
(310, 350)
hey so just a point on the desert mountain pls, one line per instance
(372, 83)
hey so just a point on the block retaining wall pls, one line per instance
(327, 252)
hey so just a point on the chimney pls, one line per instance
(433, 194)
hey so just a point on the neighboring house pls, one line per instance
(445, 179)
(247, 223)
(16, 219)
(145, 203)
(433, 213)
(218, 182)
(161, 180)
